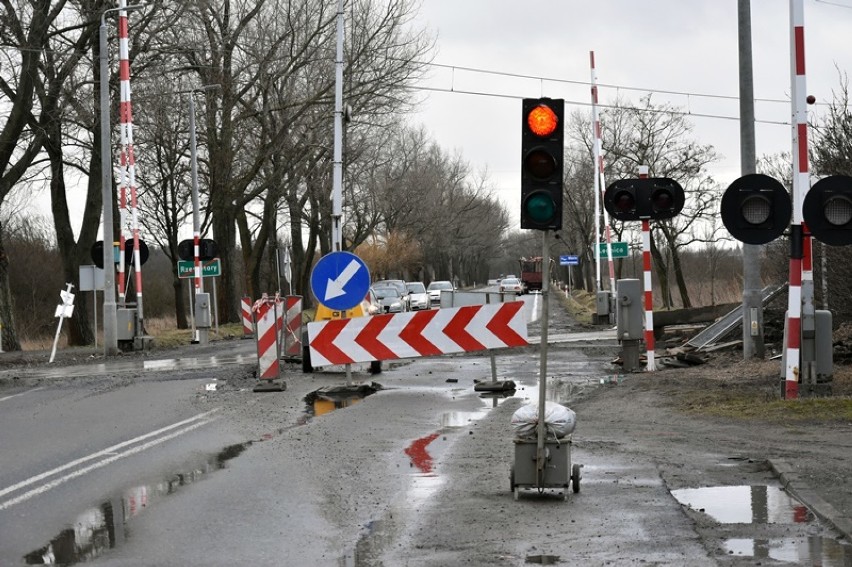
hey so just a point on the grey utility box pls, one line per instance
(125, 324)
(602, 303)
(202, 310)
(630, 320)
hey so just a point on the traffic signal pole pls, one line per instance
(650, 346)
(541, 432)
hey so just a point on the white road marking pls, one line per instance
(112, 454)
(20, 394)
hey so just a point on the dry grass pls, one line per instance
(580, 305)
(751, 391)
(164, 330)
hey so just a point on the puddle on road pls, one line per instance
(759, 504)
(813, 551)
(104, 527)
(330, 398)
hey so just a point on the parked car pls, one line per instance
(418, 297)
(390, 301)
(511, 285)
(400, 287)
(435, 289)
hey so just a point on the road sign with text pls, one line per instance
(209, 269)
(619, 250)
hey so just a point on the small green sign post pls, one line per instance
(209, 269)
(619, 250)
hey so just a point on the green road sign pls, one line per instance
(210, 268)
(619, 249)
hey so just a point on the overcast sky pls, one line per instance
(641, 46)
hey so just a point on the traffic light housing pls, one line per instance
(542, 157)
(827, 210)
(756, 209)
(648, 198)
(207, 249)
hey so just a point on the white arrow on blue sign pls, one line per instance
(340, 280)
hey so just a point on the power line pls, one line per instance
(613, 106)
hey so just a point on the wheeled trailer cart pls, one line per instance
(553, 471)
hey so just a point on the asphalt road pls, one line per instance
(189, 466)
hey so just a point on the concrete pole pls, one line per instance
(753, 344)
(110, 323)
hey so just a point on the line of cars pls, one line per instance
(398, 296)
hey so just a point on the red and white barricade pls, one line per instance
(292, 330)
(245, 308)
(266, 323)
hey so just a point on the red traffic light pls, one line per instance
(542, 121)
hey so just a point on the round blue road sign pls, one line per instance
(340, 280)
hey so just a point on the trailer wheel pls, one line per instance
(575, 478)
(512, 479)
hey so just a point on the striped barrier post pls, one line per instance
(248, 325)
(266, 323)
(649, 290)
(799, 239)
(293, 326)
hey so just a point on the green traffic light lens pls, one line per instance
(540, 207)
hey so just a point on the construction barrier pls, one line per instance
(245, 307)
(292, 331)
(268, 348)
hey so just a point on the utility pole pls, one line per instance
(753, 344)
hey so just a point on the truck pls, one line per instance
(531, 273)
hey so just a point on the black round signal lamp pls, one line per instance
(756, 209)
(838, 210)
(624, 201)
(827, 210)
(662, 200)
(540, 164)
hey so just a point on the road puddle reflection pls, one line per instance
(758, 504)
(815, 550)
(330, 398)
(104, 527)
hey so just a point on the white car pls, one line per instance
(418, 298)
(511, 285)
(435, 289)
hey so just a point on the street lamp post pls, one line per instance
(196, 215)
(110, 323)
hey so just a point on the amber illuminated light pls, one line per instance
(542, 120)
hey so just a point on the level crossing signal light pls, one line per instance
(756, 209)
(207, 249)
(827, 210)
(647, 198)
(97, 252)
(542, 157)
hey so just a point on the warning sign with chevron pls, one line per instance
(417, 334)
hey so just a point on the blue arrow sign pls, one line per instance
(340, 280)
(569, 261)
